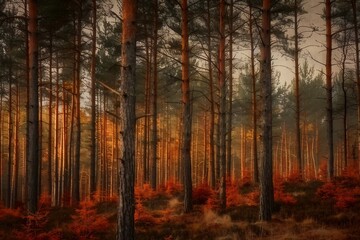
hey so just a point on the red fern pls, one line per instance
(87, 224)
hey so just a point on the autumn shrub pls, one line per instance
(233, 197)
(87, 223)
(343, 192)
(144, 192)
(10, 219)
(251, 198)
(280, 195)
(213, 201)
(172, 188)
(201, 194)
(143, 216)
(246, 178)
(35, 224)
(322, 174)
(294, 177)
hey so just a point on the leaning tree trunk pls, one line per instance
(266, 181)
(32, 167)
(126, 206)
(186, 117)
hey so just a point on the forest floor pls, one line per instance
(303, 211)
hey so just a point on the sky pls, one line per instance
(313, 48)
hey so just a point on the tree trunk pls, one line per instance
(329, 109)
(147, 113)
(212, 107)
(93, 105)
(126, 207)
(186, 117)
(155, 111)
(344, 90)
(266, 180)
(56, 139)
(357, 71)
(297, 91)
(230, 113)
(32, 167)
(49, 182)
(16, 147)
(222, 109)
(254, 100)
(10, 138)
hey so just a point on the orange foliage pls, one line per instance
(246, 178)
(342, 191)
(252, 198)
(6, 213)
(351, 172)
(280, 195)
(87, 224)
(142, 216)
(233, 197)
(172, 188)
(201, 193)
(35, 224)
(44, 201)
(323, 170)
(213, 201)
(294, 177)
(145, 192)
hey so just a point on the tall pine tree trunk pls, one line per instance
(297, 91)
(266, 180)
(222, 107)
(357, 70)
(212, 103)
(155, 96)
(32, 167)
(76, 164)
(230, 113)
(329, 108)
(126, 206)
(50, 152)
(254, 99)
(93, 106)
(186, 112)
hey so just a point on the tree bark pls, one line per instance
(297, 91)
(32, 167)
(230, 113)
(357, 70)
(186, 104)
(93, 147)
(50, 152)
(126, 207)
(266, 180)
(212, 107)
(329, 110)
(10, 138)
(222, 109)
(155, 96)
(254, 100)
